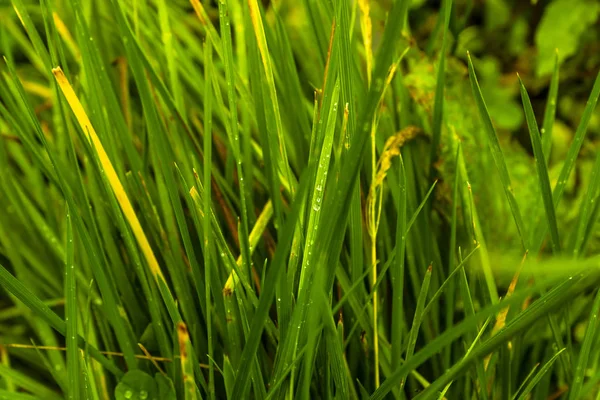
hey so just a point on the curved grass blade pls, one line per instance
(538, 376)
(443, 286)
(542, 168)
(20, 291)
(497, 154)
(552, 300)
(417, 319)
(570, 159)
(34, 35)
(586, 217)
(268, 291)
(548, 302)
(28, 383)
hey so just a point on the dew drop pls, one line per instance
(128, 394)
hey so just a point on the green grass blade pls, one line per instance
(542, 169)
(571, 156)
(208, 245)
(28, 383)
(235, 139)
(438, 104)
(586, 222)
(417, 319)
(586, 350)
(73, 368)
(470, 311)
(268, 291)
(38, 43)
(448, 280)
(548, 302)
(538, 376)
(259, 32)
(497, 154)
(11, 284)
(550, 111)
(398, 320)
(319, 188)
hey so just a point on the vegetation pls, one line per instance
(299, 199)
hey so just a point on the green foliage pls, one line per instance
(563, 24)
(299, 199)
(138, 385)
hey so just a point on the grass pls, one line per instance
(208, 200)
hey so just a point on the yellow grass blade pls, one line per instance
(185, 350)
(110, 172)
(366, 29)
(255, 235)
(65, 34)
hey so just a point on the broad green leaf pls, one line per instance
(562, 26)
(137, 385)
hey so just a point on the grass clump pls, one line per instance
(284, 199)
